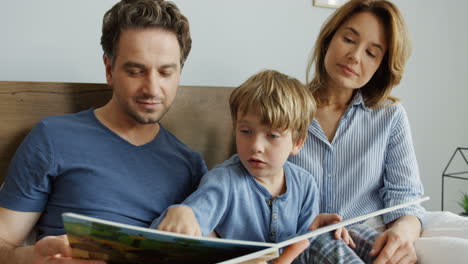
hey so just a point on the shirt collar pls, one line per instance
(358, 100)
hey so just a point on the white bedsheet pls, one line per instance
(444, 238)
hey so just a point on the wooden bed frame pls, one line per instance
(199, 116)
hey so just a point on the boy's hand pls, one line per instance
(329, 219)
(291, 252)
(180, 219)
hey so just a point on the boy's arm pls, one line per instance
(310, 204)
(179, 219)
(309, 220)
(202, 211)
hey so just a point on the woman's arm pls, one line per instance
(401, 184)
(401, 181)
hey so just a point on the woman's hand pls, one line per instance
(182, 220)
(395, 245)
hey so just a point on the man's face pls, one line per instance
(145, 74)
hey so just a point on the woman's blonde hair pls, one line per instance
(390, 71)
(282, 102)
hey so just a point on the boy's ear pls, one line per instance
(297, 146)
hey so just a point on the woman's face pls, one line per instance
(355, 51)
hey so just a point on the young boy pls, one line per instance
(257, 194)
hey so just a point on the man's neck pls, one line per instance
(125, 126)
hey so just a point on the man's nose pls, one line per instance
(153, 84)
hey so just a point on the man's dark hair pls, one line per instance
(135, 14)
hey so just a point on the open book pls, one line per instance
(92, 238)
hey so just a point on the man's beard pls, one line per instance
(145, 120)
(135, 115)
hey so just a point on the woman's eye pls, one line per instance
(370, 54)
(348, 40)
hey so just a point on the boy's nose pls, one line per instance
(257, 145)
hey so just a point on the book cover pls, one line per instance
(92, 238)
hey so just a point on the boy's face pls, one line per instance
(263, 150)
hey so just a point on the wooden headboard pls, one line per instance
(199, 116)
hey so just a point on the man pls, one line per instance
(116, 162)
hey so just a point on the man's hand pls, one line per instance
(180, 219)
(56, 250)
(329, 219)
(395, 245)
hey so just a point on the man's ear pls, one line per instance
(108, 67)
(297, 146)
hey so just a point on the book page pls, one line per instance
(347, 222)
(92, 238)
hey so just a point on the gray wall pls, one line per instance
(58, 40)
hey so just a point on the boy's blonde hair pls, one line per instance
(282, 102)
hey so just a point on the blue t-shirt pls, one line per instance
(230, 201)
(73, 163)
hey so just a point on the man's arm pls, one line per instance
(14, 228)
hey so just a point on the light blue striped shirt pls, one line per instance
(370, 163)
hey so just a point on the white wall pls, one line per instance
(58, 40)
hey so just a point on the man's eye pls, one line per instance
(134, 72)
(165, 73)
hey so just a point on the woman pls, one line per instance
(359, 146)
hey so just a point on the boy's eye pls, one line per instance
(274, 135)
(245, 131)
